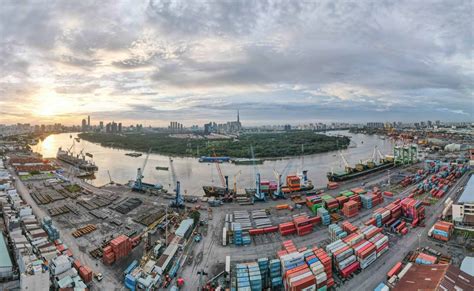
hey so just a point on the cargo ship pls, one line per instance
(361, 169)
(246, 161)
(295, 184)
(79, 161)
(205, 159)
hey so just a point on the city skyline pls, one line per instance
(152, 62)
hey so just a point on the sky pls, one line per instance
(277, 62)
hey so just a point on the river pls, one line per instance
(193, 174)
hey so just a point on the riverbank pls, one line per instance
(266, 145)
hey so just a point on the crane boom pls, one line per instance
(221, 176)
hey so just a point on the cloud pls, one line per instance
(276, 60)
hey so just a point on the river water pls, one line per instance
(193, 174)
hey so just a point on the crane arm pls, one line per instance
(221, 176)
(344, 159)
(146, 160)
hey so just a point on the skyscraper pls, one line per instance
(88, 121)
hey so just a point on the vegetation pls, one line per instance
(266, 145)
(73, 188)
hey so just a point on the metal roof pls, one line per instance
(468, 194)
(184, 227)
(467, 265)
(5, 260)
(425, 277)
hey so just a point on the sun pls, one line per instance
(51, 105)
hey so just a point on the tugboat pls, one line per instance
(135, 155)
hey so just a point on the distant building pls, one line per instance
(287, 127)
(120, 127)
(375, 124)
(463, 209)
(108, 128)
(88, 121)
(101, 125)
(84, 125)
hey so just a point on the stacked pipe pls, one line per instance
(442, 230)
(348, 227)
(336, 232)
(325, 217)
(350, 208)
(314, 202)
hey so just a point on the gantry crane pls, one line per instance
(139, 185)
(259, 195)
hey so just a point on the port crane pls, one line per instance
(259, 195)
(278, 194)
(235, 180)
(219, 171)
(178, 202)
(138, 185)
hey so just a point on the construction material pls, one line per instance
(84, 230)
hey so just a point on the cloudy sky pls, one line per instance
(277, 61)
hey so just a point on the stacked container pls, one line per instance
(325, 260)
(243, 280)
(255, 277)
(332, 185)
(350, 209)
(381, 243)
(371, 200)
(275, 274)
(263, 265)
(325, 217)
(424, 259)
(86, 274)
(370, 231)
(330, 203)
(336, 232)
(442, 230)
(303, 225)
(314, 202)
(353, 238)
(341, 200)
(348, 227)
(365, 252)
(108, 257)
(121, 246)
(413, 210)
(287, 228)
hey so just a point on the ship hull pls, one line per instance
(77, 163)
(344, 177)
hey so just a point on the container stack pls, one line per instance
(263, 265)
(86, 274)
(325, 260)
(330, 203)
(108, 257)
(442, 230)
(255, 277)
(287, 228)
(289, 246)
(332, 185)
(51, 230)
(353, 238)
(341, 200)
(314, 202)
(275, 274)
(370, 231)
(243, 280)
(424, 259)
(336, 232)
(325, 217)
(358, 190)
(350, 209)
(121, 246)
(303, 224)
(413, 210)
(366, 253)
(348, 227)
(371, 200)
(381, 243)
(346, 193)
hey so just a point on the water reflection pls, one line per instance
(193, 174)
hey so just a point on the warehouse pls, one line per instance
(6, 266)
(463, 209)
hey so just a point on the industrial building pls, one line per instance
(6, 266)
(463, 209)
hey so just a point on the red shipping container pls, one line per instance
(76, 264)
(271, 229)
(303, 283)
(86, 274)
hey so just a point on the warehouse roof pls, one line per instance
(5, 261)
(467, 265)
(422, 277)
(184, 227)
(468, 194)
(456, 280)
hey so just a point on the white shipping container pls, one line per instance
(224, 236)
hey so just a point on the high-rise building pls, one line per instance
(120, 127)
(101, 125)
(88, 121)
(84, 125)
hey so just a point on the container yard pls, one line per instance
(317, 238)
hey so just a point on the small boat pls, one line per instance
(135, 155)
(161, 168)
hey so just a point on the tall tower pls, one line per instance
(88, 120)
(238, 116)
